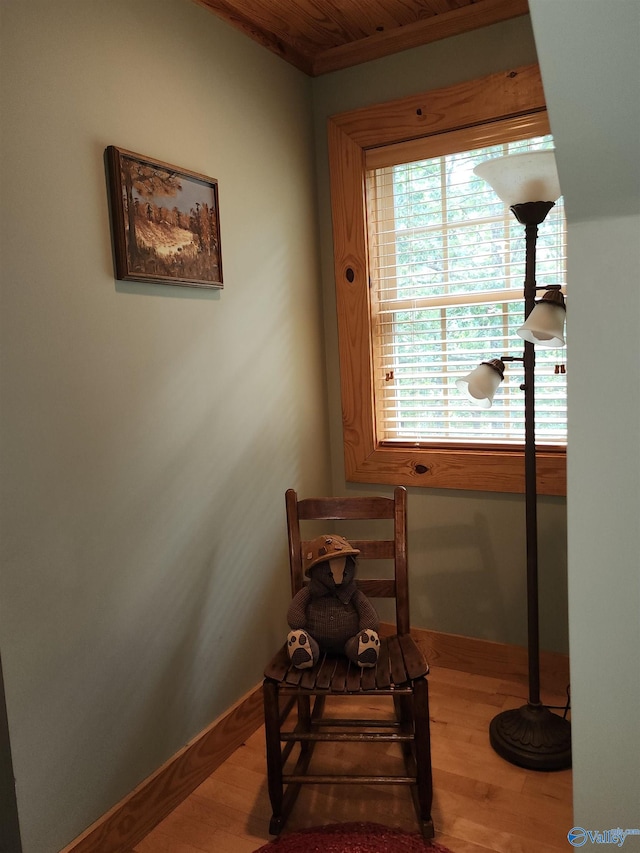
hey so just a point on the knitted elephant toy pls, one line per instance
(331, 614)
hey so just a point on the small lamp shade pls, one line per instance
(521, 178)
(482, 383)
(544, 326)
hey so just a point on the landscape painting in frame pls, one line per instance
(165, 221)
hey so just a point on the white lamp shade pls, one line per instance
(520, 178)
(480, 385)
(544, 326)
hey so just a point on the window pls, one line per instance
(446, 262)
(429, 277)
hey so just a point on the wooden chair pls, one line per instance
(399, 674)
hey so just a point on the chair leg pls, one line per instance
(424, 785)
(274, 753)
(402, 706)
(304, 719)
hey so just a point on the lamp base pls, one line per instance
(532, 737)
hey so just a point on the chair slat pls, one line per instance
(415, 661)
(370, 549)
(293, 676)
(278, 666)
(325, 673)
(398, 670)
(339, 680)
(368, 678)
(309, 676)
(343, 509)
(353, 678)
(383, 679)
(376, 587)
(374, 549)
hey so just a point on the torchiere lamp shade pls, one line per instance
(482, 383)
(544, 326)
(521, 178)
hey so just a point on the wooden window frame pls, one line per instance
(507, 95)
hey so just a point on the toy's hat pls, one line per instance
(326, 547)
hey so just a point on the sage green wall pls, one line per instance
(467, 556)
(149, 432)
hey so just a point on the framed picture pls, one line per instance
(165, 222)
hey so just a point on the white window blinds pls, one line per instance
(447, 272)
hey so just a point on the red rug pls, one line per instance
(352, 838)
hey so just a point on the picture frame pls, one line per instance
(165, 222)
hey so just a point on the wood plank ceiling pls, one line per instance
(319, 36)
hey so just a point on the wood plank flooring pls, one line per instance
(481, 803)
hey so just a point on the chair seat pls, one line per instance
(400, 662)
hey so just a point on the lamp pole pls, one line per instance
(531, 736)
(529, 218)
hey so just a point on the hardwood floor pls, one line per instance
(481, 803)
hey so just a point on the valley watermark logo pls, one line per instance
(578, 836)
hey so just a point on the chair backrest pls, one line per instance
(355, 509)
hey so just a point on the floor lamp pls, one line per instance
(531, 736)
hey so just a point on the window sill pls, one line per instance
(498, 470)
